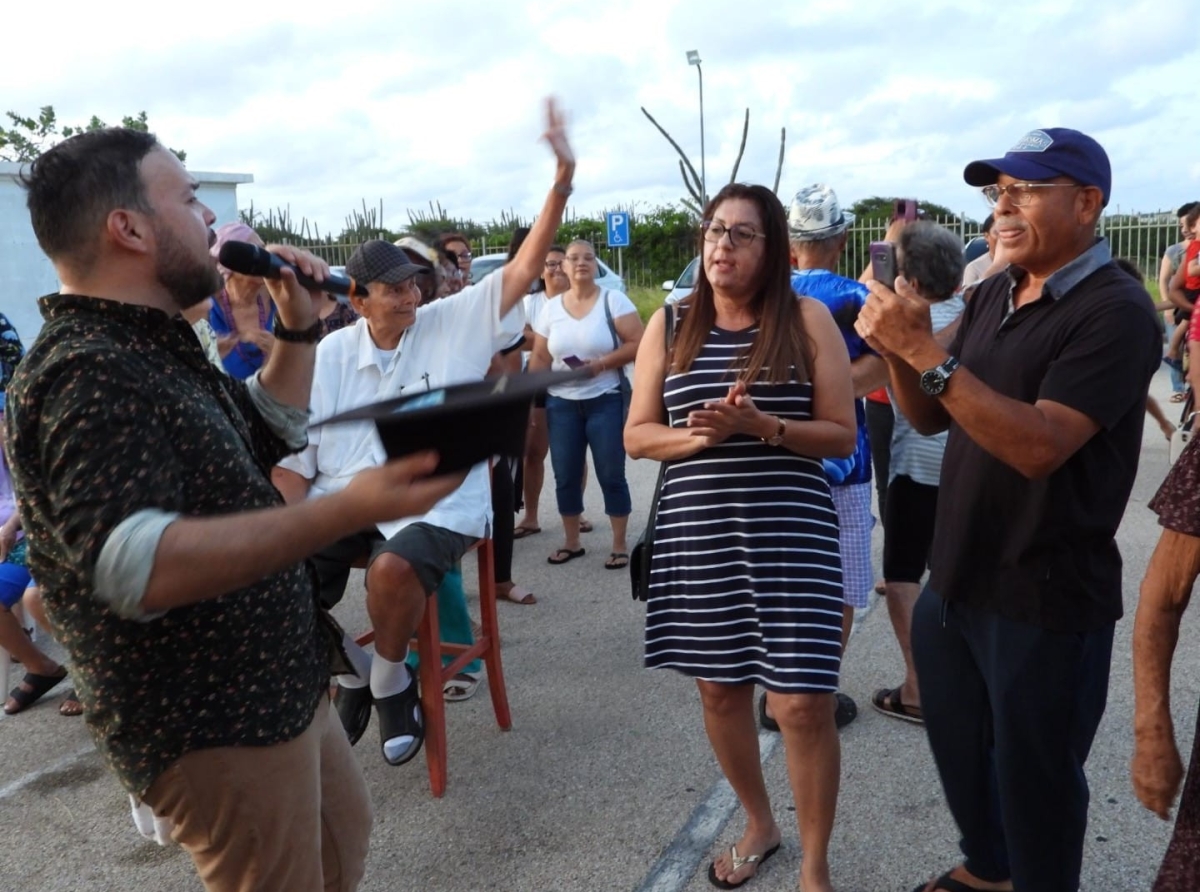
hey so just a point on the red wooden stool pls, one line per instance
(432, 675)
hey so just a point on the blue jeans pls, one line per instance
(574, 425)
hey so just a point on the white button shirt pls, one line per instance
(451, 342)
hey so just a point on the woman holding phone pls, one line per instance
(591, 327)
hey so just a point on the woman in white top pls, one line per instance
(600, 329)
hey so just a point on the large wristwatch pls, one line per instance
(309, 335)
(776, 439)
(933, 381)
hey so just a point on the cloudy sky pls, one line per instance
(330, 104)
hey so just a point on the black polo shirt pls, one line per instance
(1042, 551)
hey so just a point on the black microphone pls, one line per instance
(251, 260)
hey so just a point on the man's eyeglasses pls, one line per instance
(1020, 194)
(554, 264)
(740, 235)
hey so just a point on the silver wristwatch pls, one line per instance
(933, 381)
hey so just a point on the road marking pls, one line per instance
(695, 839)
(65, 762)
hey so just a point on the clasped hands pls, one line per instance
(736, 414)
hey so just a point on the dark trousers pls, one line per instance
(880, 421)
(1011, 710)
(503, 494)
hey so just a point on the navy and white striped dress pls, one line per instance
(746, 577)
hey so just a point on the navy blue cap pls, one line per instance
(1045, 154)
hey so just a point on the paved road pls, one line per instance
(606, 780)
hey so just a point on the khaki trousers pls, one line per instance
(294, 817)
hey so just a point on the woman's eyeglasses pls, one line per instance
(740, 235)
(554, 264)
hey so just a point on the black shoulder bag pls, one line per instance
(639, 558)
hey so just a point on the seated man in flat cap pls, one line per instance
(398, 348)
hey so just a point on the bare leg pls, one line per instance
(14, 640)
(814, 767)
(619, 526)
(729, 721)
(571, 532)
(901, 596)
(395, 604)
(847, 626)
(537, 447)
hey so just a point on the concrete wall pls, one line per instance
(26, 273)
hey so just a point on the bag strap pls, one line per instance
(612, 326)
(669, 337)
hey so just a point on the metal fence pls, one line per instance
(1140, 237)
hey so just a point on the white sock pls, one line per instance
(360, 660)
(388, 678)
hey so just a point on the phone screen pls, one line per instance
(883, 263)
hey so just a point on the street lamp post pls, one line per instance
(693, 57)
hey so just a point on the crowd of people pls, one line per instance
(997, 407)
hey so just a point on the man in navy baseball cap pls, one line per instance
(1043, 393)
(1046, 154)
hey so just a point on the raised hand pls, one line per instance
(556, 136)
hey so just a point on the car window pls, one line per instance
(482, 266)
(687, 278)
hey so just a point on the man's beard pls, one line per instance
(187, 279)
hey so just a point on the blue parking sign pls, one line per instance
(618, 230)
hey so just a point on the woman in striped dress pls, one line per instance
(746, 582)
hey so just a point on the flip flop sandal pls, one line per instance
(888, 702)
(400, 715)
(353, 707)
(461, 687)
(522, 532)
(617, 560)
(517, 595)
(70, 705)
(33, 687)
(563, 555)
(947, 883)
(738, 863)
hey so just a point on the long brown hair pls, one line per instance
(781, 343)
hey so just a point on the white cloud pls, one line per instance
(336, 105)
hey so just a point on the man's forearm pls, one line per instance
(924, 413)
(868, 373)
(1165, 593)
(202, 558)
(288, 373)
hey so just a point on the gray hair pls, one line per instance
(931, 258)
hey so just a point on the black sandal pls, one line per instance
(33, 687)
(400, 715)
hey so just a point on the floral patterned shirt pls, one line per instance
(115, 409)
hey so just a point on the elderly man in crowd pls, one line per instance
(400, 348)
(817, 231)
(1043, 391)
(172, 573)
